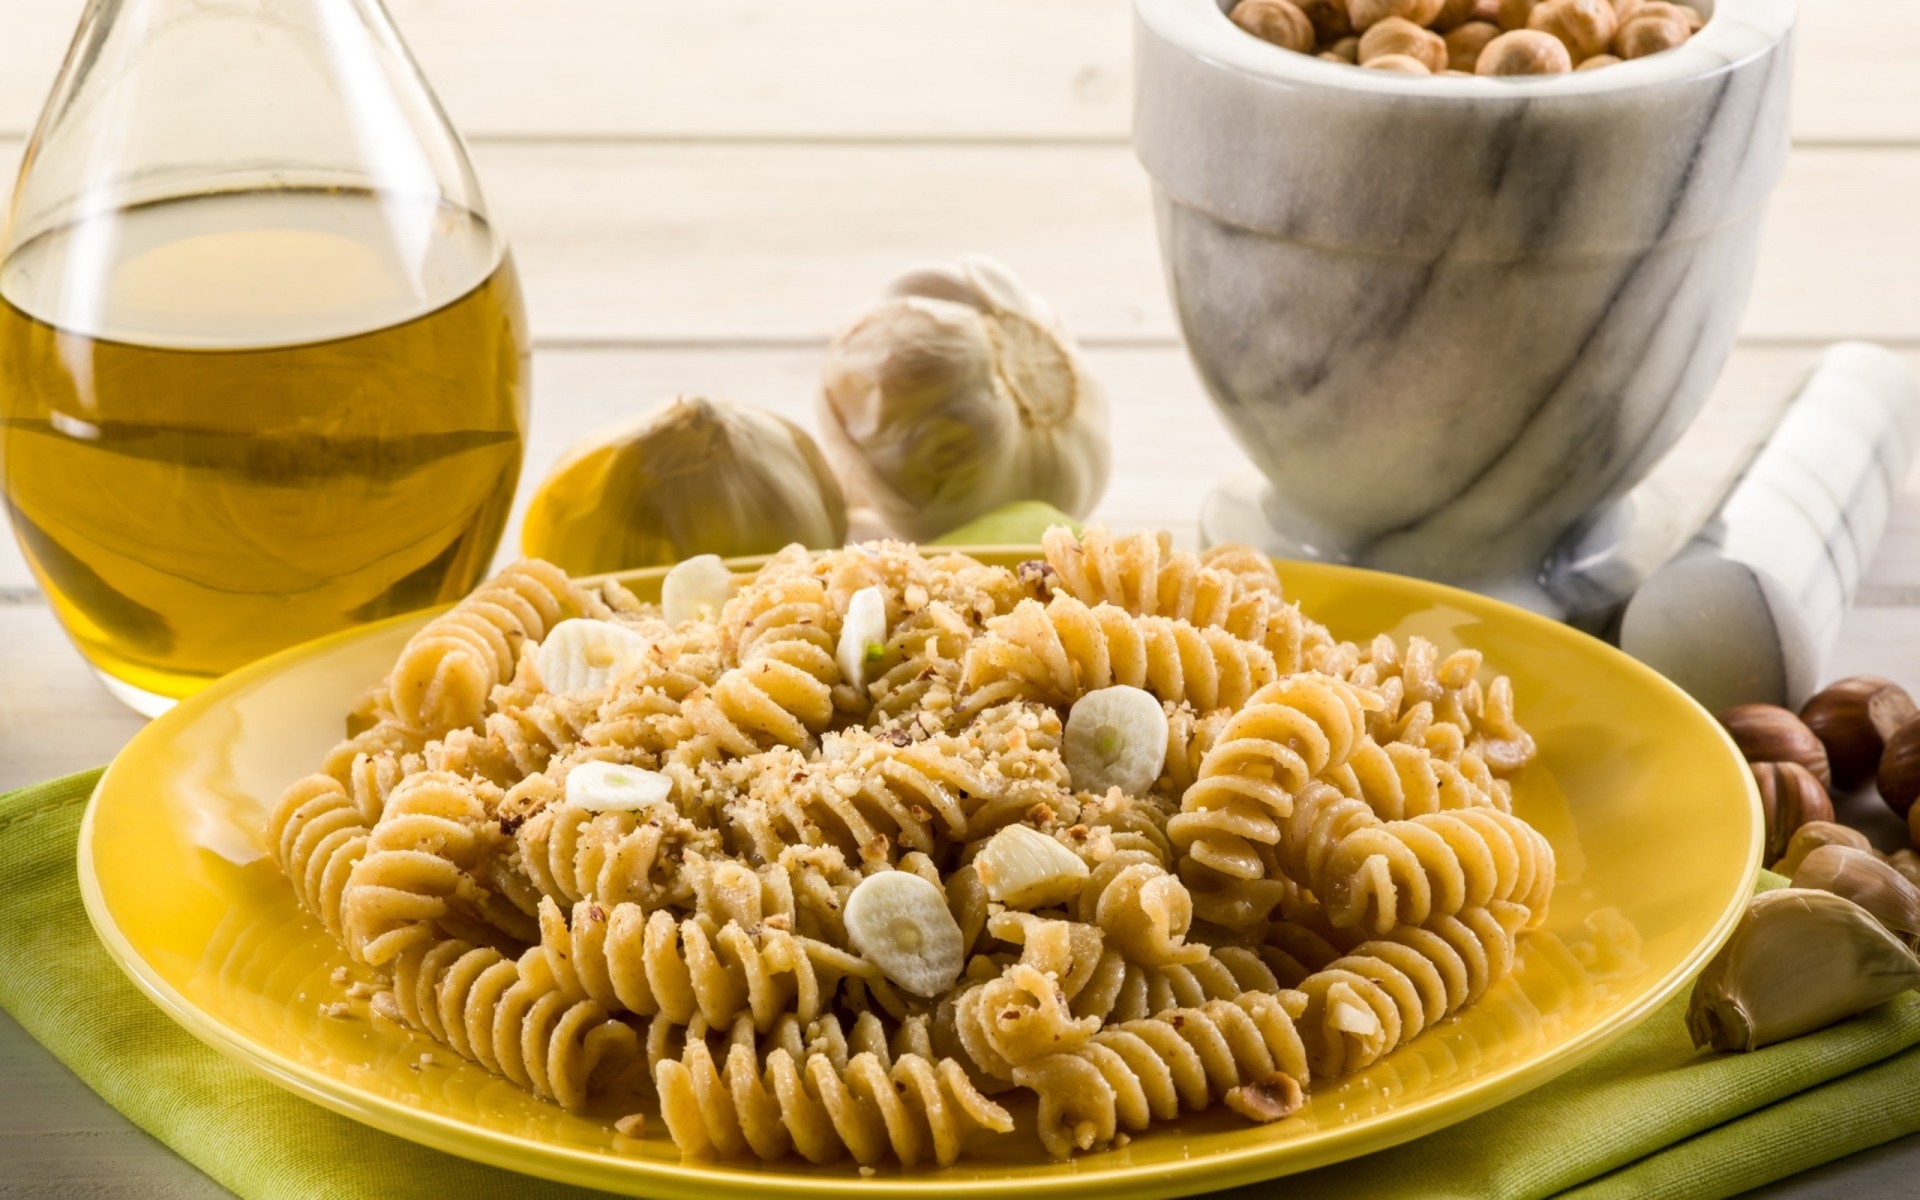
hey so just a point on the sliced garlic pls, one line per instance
(695, 588)
(1352, 1018)
(611, 787)
(900, 923)
(1024, 868)
(863, 635)
(581, 654)
(1115, 737)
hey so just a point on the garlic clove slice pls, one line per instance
(900, 923)
(695, 588)
(1115, 737)
(1024, 868)
(613, 787)
(581, 654)
(863, 635)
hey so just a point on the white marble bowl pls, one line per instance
(1453, 319)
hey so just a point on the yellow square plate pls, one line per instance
(1647, 804)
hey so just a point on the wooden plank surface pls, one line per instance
(747, 244)
(884, 69)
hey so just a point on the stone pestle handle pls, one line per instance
(1750, 609)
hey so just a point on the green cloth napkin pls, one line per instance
(1648, 1117)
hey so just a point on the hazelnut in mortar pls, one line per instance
(1397, 35)
(1277, 21)
(1585, 27)
(1365, 14)
(1465, 44)
(1524, 52)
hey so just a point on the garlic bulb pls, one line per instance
(959, 393)
(691, 477)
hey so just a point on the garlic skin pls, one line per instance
(958, 393)
(692, 477)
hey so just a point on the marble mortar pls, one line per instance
(1453, 320)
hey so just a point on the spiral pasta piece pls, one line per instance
(1245, 1051)
(910, 1108)
(473, 1000)
(1142, 911)
(782, 691)
(447, 670)
(318, 835)
(1383, 993)
(1435, 865)
(1289, 732)
(1226, 589)
(417, 867)
(625, 959)
(1058, 652)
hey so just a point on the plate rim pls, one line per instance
(694, 1179)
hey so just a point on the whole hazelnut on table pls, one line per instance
(1365, 14)
(1404, 64)
(1899, 775)
(1397, 35)
(1465, 44)
(1789, 797)
(1524, 52)
(1584, 26)
(1278, 21)
(1853, 719)
(1767, 733)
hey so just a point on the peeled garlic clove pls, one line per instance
(695, 588)
(1024, 868)
(899, 922)
(1115, 737)
(581, 654)
(1800, 960)
(694, 476)
(612, 787)
(1861, 877)
(960, 393)
(863, 635)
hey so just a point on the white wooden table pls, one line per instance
(698, 193)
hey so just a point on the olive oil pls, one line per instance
(234, 422)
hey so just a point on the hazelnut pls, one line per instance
(1598, 60)
(1397, 35)
(1853, 719)
(1487, 10)
(1329, 19)
(1514, 14)
(1648, 34)
(1347, 49)
(1767, 733)
(1404, 64)
(1789, 797)
(1276, 21)
(1465, 44)
(1584, 26)
(1365, 14)
(1453, 14)
(1899, 774)
(1524, 52)
(1269, 1099)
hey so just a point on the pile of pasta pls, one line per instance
(1326, 865)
